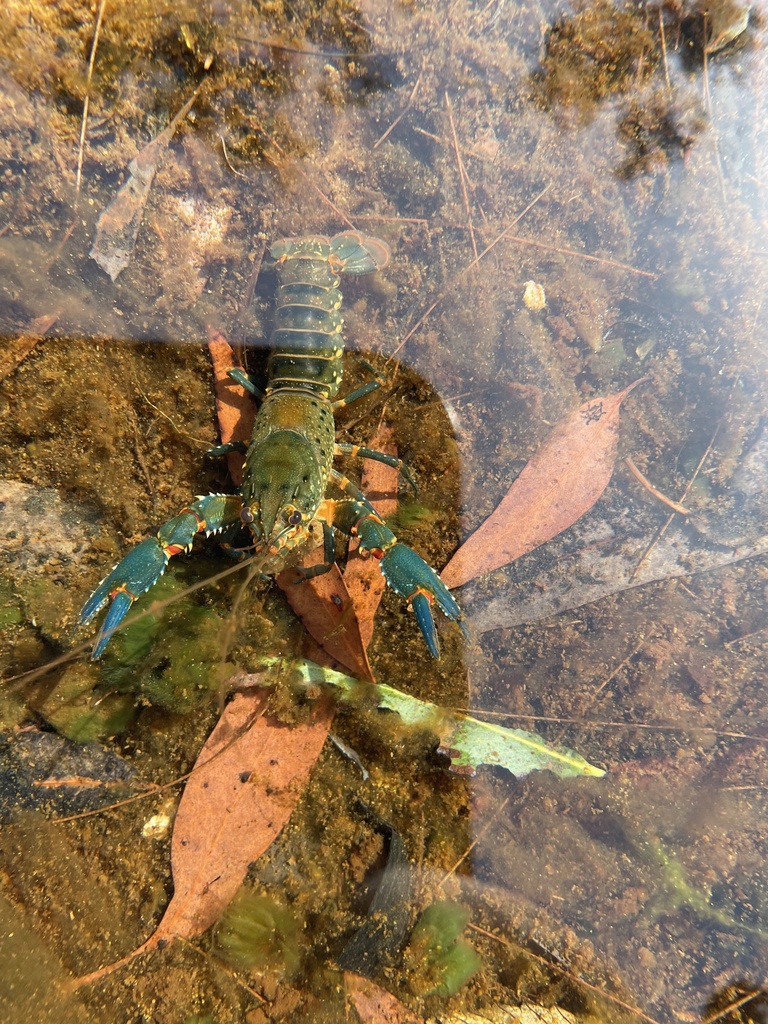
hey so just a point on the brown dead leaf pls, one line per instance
(362, 576)
(375, 1005)
(247, 779)
(561, 482)
(235, 409)
(16, 350)
(235, 804)
(327, 612)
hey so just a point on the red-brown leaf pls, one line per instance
(248, 778)
(362, 576)
(235, 409)
(561, 482)
(246, 781)
(328, 614)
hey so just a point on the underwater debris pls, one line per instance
(468, 742)
(562, 481)
(118, 225)
(441, 960)
(378, 939)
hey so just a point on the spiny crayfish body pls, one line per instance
(289, 459)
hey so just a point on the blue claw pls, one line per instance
(117, 611)
(412, 578)
(138, 571)
(423, 613)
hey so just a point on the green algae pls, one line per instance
(441, 962)
(172, 658)
(257, 932)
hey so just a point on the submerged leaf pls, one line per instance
(327, 612)
(235, 409)
(247, 779)
(362, 576)
(561, 482)
(375, 1005)
(118, 226)
(468, 741)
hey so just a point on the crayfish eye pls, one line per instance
(294, 518)
(246, 516)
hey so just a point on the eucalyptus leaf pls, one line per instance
(468, 742)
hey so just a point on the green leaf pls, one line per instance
(467, 741)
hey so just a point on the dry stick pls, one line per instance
(462, 176)
(744, 636)
(708, 100)
(582, 256)
(663, 35)
(400, 116)
(309, 181)
(179, 430)
(87, 101)
(551, 965)
(81, 148)
(469, 267)
(421, 221)
(684, 495)
(225, 969)
(228, 161)
(735, 1005)
(681, 509)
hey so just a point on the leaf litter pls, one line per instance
(562, 481)
(468, 742)
(247, 779)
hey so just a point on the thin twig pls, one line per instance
(607, 724)
(179, 430)
(228, 161)
(681, 509)
(581, 255)
(236, 737)
(400, 116)
(469, 267)
(478, 836)
(602, 686)
(735, 1005)
(565, 973)
(245, 305)
(684, 495)
(714, 134)
(663, 35)
(87, 100)
(462, 176)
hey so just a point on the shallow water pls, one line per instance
(615, 156)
